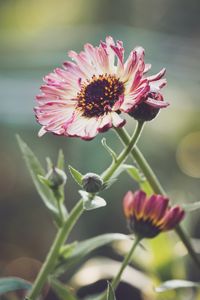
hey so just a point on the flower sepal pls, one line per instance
(76, 175)
(91, 201)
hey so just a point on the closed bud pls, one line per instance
(144, 112)
(56, 178)
(92, 183)
(149, 107)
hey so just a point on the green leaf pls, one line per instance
(44, 180)
(145, 186)
(91, 201)
(137, 176)
(108, 149)
(76, 175)
(110, 292)
(121, 169)
(10, 284)
(36, 170)
(61, 290)
(134, 172)
(191, 206)
(107, 184)
(49, 164)
(176, 284)
(67, 250)
(86, 247)
(61, 160)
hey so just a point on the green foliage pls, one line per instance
(191, 206)
(136, 175)
(110, 292)
(68, 249)
(77, 176)
(10, 284)
(81, 249)
(61, 160)
(176, 284)
(61, 290)
(41, 183)
(91, 201)
(109, 150)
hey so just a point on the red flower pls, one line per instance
(148, 216)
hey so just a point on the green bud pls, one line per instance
(92, 183)
(56, 178)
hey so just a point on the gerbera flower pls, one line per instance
(148, 216)
(87, 96)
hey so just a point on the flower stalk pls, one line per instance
(126, 261)
(69, 223)
(110, 171)
(52, 256)
(157, 188)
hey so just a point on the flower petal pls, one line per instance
(128, 204)
(156, 103)
(139, 202)
(173, 217)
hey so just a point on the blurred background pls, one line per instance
(35, 36)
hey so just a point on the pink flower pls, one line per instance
(148, 216)
(86, 96)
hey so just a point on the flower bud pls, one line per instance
(144, 112)
(149, 107)
(92, 183)
(56, 177)
(149, 216)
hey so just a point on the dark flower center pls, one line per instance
(98, 96)
(143, 228)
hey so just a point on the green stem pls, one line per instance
(156, 186)
(132, 141)
(54, 251)
(64, 231)
(126, 261)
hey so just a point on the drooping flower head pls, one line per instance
(150, 104)
(148, 216)
(87, 95)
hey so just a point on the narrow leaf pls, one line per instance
(134, 172)
(110, 292)
(49, 164)
(86, 247)
(107, 184)
(108, 149)
(10, 284)
(61, 160)
(61, 290)
(191, 206)
(137, 176)
(176, 284)
(76, 175)
(36, 170)
(67, 250)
